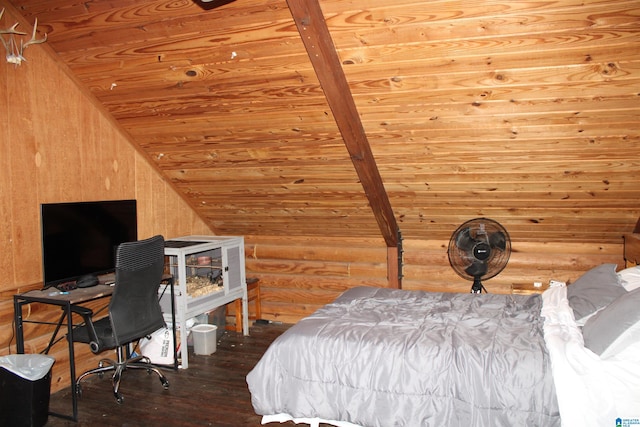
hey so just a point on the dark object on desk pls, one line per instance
(87, 281)
(66, 286)
(134, 312)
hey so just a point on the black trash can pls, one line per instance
(25, 388)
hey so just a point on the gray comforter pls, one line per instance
(383, 357)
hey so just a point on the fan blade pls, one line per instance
(477, 269)
(464, 240)
(498, 240)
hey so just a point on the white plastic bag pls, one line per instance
(159, 347)
(31, 367)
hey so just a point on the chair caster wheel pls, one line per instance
(119, 399)
(165, 383)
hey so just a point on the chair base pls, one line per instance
(118, 367)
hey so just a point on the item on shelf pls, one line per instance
(204, 260)
(198, 286)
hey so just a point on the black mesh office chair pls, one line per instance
(134, 312)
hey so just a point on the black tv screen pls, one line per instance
(81, 238)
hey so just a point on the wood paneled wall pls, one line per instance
(298, 275)
(56, 145)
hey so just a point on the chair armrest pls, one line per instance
(87, 316)
(82, 311)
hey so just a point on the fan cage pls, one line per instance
(461, 259)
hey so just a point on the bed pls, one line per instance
(381, 357)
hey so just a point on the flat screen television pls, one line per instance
(80, 239)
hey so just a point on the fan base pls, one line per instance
(477, 286)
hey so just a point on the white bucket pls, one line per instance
(204, 339)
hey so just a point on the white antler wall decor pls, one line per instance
(15, 49)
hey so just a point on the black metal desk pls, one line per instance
(65, 300)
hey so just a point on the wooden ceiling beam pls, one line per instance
(315, 35)
(317, 40)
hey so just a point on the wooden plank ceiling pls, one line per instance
(526, 112)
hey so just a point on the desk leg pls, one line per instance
(17, 308)
(17, 317)
(72, 363)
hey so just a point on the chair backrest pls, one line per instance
(134, 308)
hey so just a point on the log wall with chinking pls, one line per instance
(298, 275)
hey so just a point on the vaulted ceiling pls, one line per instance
(408, 115)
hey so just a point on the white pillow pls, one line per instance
(630, 278)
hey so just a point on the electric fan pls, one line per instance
(479, 249)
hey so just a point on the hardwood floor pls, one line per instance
(212, 392)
